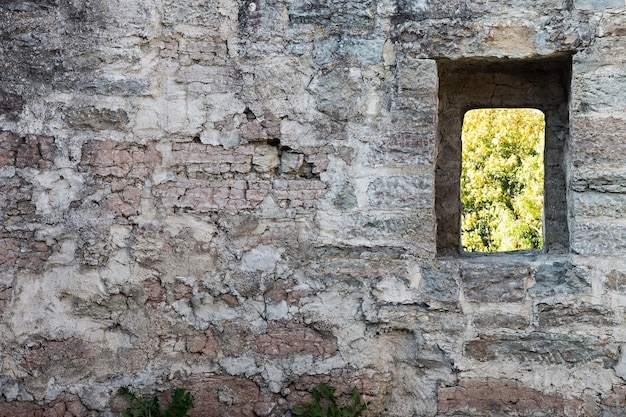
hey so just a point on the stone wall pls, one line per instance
(238, 197)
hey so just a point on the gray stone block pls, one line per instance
(441, 282)
(598, 4)
(500, 320)
(560, 278)
(546, 348)
(560, 315)
(493, 283)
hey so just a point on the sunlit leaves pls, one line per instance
(502, 180)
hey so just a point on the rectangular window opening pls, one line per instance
(502, 179)
(502, 85)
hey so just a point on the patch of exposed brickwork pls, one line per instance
(20, 247)
(9, 143)
(283, 339)
(65, 405)
(212, 178)
(282, 290)
(35, 152)
(119, 159)
(124, 200)
(50, 354)
(206, 196)
(241, 397)
(16, 200)
(195, 159)
(297, 193)
(123, 166)
(30, 151)
(496, 397)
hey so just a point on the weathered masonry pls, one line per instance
(246, 198)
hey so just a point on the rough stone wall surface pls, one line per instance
(237, 197)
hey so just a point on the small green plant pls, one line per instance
(325, 404)
(180, 402)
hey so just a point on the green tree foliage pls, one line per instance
(502, 180)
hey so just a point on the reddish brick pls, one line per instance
(283, 339)
(203, 343)
(153, 291)
(503, 397)
(119, 159)
(56, 352)
(276, 291)
(9, 251)
(318, 157)
(65, 405)
(257, 190)
(9, 142)
(224, 396)
(346, 153)
(298, 193)
(207, 195)
(19, 249)
(5, 297)
(35, 152)
(253, 131)
(124, 203)
(196, 158)
(30, 151)
(196, 343)
(180, 290)
(17, 199)
(271, 124)
(229, 299)
(10, 104)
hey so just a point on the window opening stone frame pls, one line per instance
(468, 84)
